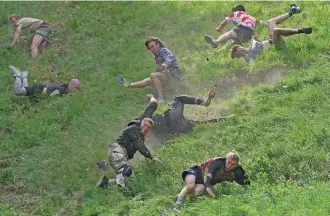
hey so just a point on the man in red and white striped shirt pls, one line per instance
(242, 33)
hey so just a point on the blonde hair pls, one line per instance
(234, 155)
(149, 120)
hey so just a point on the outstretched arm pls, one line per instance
(16, 34)
(151, 108)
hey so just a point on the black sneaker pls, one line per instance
(209, 40)
(102, 165)
(103, 182)
(307, 30)
(294, 9)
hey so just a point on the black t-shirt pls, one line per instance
(39, 88)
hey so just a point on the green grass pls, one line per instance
(49, 148)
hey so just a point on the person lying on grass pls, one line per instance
(22, 88)
(215, 170)
(276, 37)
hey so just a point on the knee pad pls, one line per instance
(126, 170)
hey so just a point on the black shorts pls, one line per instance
(196, 171)
(244, 34)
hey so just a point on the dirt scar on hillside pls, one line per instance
(225, 89)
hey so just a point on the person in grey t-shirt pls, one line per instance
(276, 37)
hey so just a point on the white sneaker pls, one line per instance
(14, 71)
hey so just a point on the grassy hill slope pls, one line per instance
(49, 148)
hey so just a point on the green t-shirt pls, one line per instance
(29, 24)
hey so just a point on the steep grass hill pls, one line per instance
(48, 148)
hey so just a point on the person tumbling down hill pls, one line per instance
(241, 34)
(167, 69)
(41, 31)
(276, 37)
(203, 177)
(22, 88)
(124, 148)
(172, 121)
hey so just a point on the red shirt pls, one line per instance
(240, 18)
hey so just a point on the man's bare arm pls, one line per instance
(16, 34)
(221, 26)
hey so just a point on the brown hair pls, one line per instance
(14, 15)
(233, 51)
(154, 39)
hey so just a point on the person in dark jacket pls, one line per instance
(215, 170)
(129, 142)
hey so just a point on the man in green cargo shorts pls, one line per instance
(40, 30)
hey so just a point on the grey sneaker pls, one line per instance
(24, 74)
(102, 165)
(209, 40)
(294, 9)
(14, 71)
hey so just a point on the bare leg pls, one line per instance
(36, 41)
(277, 20)
(141, 84)
(42, 46)
(158, 79)
(227, 36)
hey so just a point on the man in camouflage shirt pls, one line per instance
(129, 142)
(276, 37)
(167, 69)
(201, 178)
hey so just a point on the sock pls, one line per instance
(301, 31)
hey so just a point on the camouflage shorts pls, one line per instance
(117, 157)
(45, 31)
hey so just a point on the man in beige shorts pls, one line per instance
(40, 29)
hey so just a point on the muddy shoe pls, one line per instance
(103, 182)
(209, 40)
(208, 98)
(122, 81)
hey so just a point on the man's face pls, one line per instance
(145, 126)
(13, 20)
(241, 52)
(153, 47)
(230, 164)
